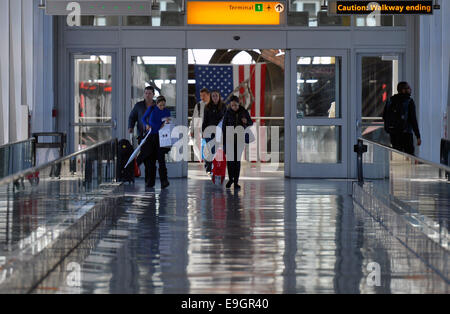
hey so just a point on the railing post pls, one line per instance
(360, 149)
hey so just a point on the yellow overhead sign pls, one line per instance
(234, 13)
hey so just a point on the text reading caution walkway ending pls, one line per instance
(233, 13)
(384, 7)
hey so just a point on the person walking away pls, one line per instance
(196, 122)
(213, 113)
(400, 119)
(136, 115)
(235, 116)
(158, 117)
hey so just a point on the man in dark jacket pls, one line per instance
(138, 111)
(136, 115)
(235, 116)
(399, 131)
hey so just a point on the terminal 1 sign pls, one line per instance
(235, 13)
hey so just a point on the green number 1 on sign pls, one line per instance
(258, 7)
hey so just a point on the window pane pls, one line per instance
(309, 13)
(99, 21)
(379, 82)
(384, 20)
(92, 99)
(319, 144)
(318, 87)
(159, 72)
(137, 20)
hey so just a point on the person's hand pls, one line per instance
(244, 120)
(147, 127)
(419, 142)
(130, 130)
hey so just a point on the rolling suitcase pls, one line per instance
(219, 167)
(125, 149)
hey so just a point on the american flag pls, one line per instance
(240, 80)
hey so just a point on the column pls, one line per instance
(4, 71)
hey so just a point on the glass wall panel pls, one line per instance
(319, 144)
(157, 71)
(309, 13)
(384, 20)
(318, 87)
(99, 20)
(378, 82)
(92, 99)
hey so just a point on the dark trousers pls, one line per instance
(403, 142)
(150, 153)
(234, 169)
(234, 166)
(156, 154)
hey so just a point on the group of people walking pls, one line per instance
(399, 116)
(151, 116)
(233, 115)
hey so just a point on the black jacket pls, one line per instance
(412, 125)
(212, 115)
(234, 119)
(136, 116)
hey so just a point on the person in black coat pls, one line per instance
(136, 116)
(212, 115)
(402, 140)
(235, 116)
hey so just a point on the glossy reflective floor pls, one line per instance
(275, 235)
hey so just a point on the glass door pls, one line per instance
(162, 69)
(377, 77)
(319, 146)
(93, 94)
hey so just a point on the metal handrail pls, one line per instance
(31, 139)
(433, 164)
(24, 173)
(259, 118)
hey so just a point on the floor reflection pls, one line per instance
(276, 235)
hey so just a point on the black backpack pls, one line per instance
(396, 116)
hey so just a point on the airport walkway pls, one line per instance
(275, 235)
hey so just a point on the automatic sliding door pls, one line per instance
(378, 76)
(320, 133)
(162, 70)
(93, 120)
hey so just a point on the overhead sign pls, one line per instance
(235, 13)
(346, 7)
(99, 7)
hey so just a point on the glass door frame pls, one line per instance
(176, 169)
(115, 97)
(320, 170)
(376, 168)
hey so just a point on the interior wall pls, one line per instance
(4, 71)
(16, 68)
(43, 91)
(434, 71)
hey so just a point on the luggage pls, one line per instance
(124, 151)
(219, 167)
(249, 135)
(165, 136)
